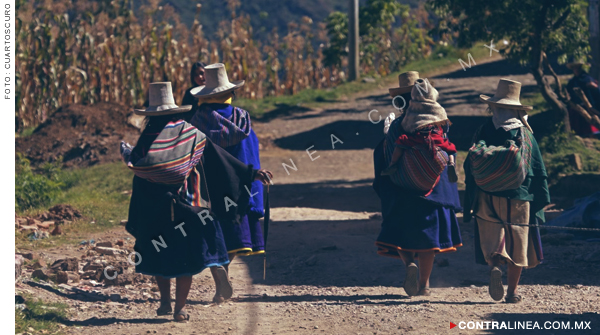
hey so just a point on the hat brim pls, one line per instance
(203, 91)
(486, 99)
(395, 91)
(181, 109)
(570, 66)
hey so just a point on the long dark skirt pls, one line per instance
(183, 251)
(417, 227)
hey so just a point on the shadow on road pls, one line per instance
(354, 134)
(357, 135)
(501, 67)
(362, 299)
(354, 196)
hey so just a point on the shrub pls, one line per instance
(35, 189)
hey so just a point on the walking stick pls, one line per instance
(266, 232)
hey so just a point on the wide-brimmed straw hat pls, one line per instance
(507, 96)
(161, 101)
(217, 82)
(575, 63)
(406, 81)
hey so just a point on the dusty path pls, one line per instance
(323, 275)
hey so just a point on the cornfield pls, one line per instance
(87, 52)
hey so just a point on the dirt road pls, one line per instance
(323, 274)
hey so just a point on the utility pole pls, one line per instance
(594, 19)
(353, 56)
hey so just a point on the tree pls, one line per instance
(534, 28)
(375, 17)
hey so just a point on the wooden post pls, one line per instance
(594, 19)
(353, 56)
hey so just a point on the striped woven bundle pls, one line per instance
(172, 158)
(419, 168)
(501, 168)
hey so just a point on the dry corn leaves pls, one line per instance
(103, 53)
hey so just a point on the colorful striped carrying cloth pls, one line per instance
(224, 132)
(501, 168)
(172, 159)
(420, 166)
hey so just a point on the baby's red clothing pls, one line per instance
(433, 135)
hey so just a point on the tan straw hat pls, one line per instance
(406, 81)
(507, 96)
(161, 101)
(217, 82)
(575, 64)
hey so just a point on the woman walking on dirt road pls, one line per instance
(181, 180)
(230, 127)
(414, 226)
(506, 182)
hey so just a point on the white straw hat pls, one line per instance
(217, 82)
(161, 101)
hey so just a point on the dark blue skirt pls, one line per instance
(172, 252)
(244, 238)
(417, 227)
(415, 223)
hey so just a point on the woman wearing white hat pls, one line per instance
(172, 203)
(230, 127)
(506, 182)
(415, 226)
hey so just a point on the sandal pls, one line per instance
(424, 292)
(164, 309)
(181, 316)
(496, 289)
(225, 289)
(218, 299)
(513, 299)
(411, 282)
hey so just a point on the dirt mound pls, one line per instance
(83, 135)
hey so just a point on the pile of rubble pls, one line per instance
(102, 272)
(47, 223)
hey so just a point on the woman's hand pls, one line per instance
(264, 176)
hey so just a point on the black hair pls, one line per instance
(398, 103)
(195, 67)
(407, 97)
